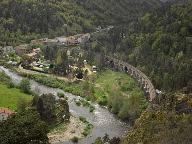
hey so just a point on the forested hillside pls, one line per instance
(117, 12)
(23, 20)
(159, 44)
(170, 123)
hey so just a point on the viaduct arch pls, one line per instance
(140, 77)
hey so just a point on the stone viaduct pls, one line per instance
(140, 77)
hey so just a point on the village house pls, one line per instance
(50, 41)
(21, 49)
(34, 55)
(62, 40)
(78, 39)
(72, 40)
(38, 42)
(84, 38)
(4, 113)
(68, 52)
(44, 41)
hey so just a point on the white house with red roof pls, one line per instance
(4, 113)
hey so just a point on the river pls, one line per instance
(102, 120)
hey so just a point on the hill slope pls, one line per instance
(118, 12)
(23, 20)
(159, 44)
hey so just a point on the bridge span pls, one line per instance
(140, 77)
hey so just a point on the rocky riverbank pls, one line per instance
(75, 128)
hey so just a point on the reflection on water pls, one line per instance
(103, 121)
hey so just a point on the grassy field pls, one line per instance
(121, 93)
(110, 81)
(9, 97)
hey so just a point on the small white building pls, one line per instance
(85, 62)
(94, 69)
(158, 91)
(68, 52)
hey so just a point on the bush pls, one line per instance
(83, 119)
(25, 86)
(4, 78)
(75, 139)
(60, 94)
(11, 84)
(91, 108)
(78, 103)
(22, 104)
(23, 127)
(87, 129)
(85, 133)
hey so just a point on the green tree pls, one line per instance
(46, 107)
(22, 104)
(25, 85)
(50, 110)
(24, 128)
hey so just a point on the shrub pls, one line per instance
(75, 139)
(87, 129)
(78, 103)
(85, 133)
(25, 85)
(4, 78)
(22, 104)
(60, 94)
(83, 119)
(11, 84)
(91, 108)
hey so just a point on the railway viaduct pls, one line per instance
(140, 77)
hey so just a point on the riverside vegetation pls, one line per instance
(37, 112)
(116, 90)
(11, 95)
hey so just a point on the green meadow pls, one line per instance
(9, 97)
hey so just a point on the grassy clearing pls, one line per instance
(108, 79)
(121, 94)
(9, 97)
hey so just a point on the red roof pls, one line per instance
(6, 111)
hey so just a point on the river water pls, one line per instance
(102, 120)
